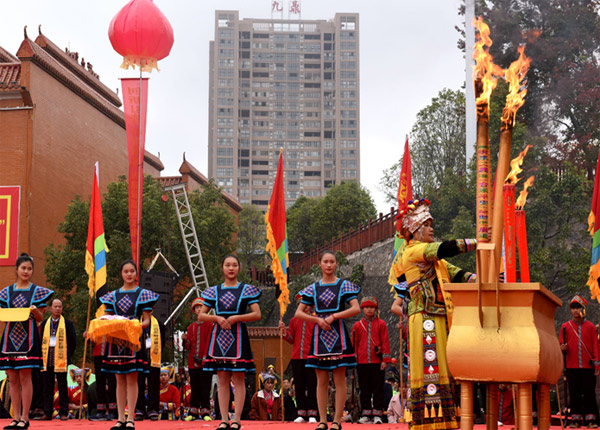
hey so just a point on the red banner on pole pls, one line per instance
(10, 200)
(135, 102)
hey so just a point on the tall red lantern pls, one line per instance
(143, 36)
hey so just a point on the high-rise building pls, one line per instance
(291, 84)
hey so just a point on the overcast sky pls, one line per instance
(407, 54)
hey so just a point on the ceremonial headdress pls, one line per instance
(169, 370)
(369, 301)
(76, 371)
(415, 215)
(578, 300)
(266, 376)
(197, 302)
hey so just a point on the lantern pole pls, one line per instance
(140, 183)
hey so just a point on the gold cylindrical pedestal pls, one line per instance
(543, 398)
(525, 416)
(466, 405)
(491, 416)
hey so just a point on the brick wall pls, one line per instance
(67, 135)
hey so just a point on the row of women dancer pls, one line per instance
(234, 303)
(432, 399)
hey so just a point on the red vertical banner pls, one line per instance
(509, 233)
(10, 200)
(135, 102)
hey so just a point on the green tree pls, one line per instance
(251, 240)
(65, 269)
(559, 245)
(314, 221)
(300, 217)
(437, 145)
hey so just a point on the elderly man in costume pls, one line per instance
(579, 341)
(58, 344)
(75, 393)
(431, 401)
(170, 397)
(372, 346)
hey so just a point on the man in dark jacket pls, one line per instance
(58, 344)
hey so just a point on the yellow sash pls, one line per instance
(155, 353)
(60, 349)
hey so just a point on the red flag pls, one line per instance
(277, 241)
(405, 193)
(135, 124)
(594, 229)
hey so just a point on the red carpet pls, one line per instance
(200, 425)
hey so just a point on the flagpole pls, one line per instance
(87, 326)
(281, 367)
(401, 362)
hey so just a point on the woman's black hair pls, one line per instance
(23, 258)
(129, 261)
(232, 256)
(325, 252)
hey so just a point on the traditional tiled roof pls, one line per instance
(262, 332)
(70, 62)
(153, 160)
(7, 57)
(10, 75)
(31, 51)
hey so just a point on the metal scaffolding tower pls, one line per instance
(190, 242)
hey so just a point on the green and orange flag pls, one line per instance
(95, 254)
(594, 229)
(277, 241)
(405, 195)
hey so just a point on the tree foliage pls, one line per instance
(560, 119)
(436, 145)
(563, 100)
(251, 237)
(314, 221)
(65, 269)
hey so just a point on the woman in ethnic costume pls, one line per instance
(431, 400)
(331, 348)
(132, 302)
(21, 345)
(229, 352)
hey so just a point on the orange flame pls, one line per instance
(515, 75)
(484, 70)
(523, 195)
(515, 167)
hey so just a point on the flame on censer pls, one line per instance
(515, 167)
(515, 75)
(520, 203)
(485, 71)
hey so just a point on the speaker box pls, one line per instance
(163, 284)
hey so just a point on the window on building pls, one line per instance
(224, 172)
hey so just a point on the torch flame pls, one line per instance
(523, 195)
(515, 76)
(484, 70)
(515, 167)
